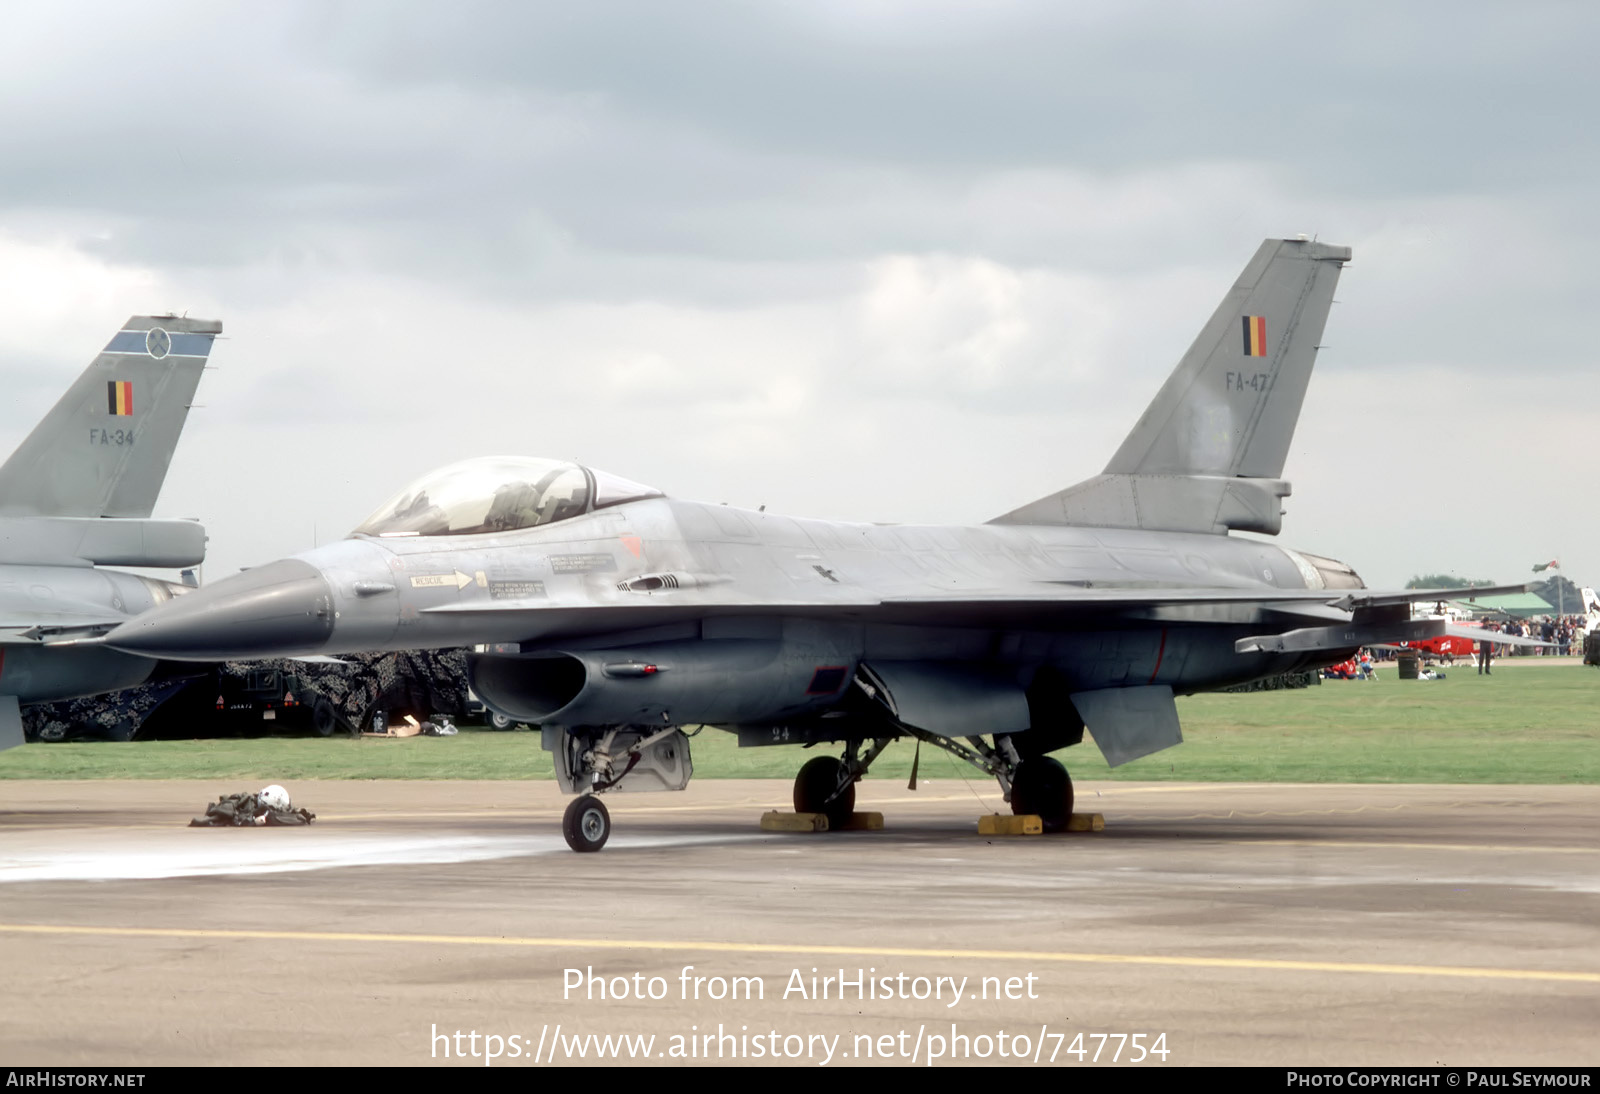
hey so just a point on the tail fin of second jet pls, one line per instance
(103, 450)
(1208, 453)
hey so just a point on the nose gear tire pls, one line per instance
(586, 824)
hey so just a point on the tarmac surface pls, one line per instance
(1239, 924)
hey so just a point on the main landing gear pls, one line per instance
(1041, 786)
(1037, 785)
(828, 786)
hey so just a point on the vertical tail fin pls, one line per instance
(1208, 453)
(103, 450)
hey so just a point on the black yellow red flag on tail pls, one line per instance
(1255, 335)
(119, 397)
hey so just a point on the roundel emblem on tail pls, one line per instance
(157, 342)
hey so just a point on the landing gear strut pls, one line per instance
(828, 786)
(591, 760)
(1037, 785)
(586, 824)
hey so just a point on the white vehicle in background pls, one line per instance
(1591, 623)
(1445, 646)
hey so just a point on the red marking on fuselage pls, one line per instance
(634, 544)
(1160, 653)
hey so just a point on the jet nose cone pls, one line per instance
(280, 609)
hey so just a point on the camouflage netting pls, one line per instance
(113, 717)
(421, 683)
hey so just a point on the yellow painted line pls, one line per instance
(1110, 789)
(676, 946)
(1249, 814)
(1514, 847)
(1243, 814)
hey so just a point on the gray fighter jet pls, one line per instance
(612, 615)
(78, 494)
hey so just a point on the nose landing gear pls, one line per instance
(593, 759)
(586, 824)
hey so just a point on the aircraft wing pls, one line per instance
(1044, 605)
(1350, 617)
(1347, 618)
(1346, 600)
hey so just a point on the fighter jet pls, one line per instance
(612, 615)
(76, 495)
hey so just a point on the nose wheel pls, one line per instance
(586, 824)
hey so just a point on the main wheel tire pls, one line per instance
(500, 721)
(586, 824)
(1043, 787)
(323, 719)
(818, 778)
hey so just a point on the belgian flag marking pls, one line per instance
(119, 397)
(1255, 336)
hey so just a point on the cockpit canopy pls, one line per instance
(498, 494)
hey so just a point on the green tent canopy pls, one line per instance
(1517, 604)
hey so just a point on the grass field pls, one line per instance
(1528, 723)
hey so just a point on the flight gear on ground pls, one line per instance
(250, 810)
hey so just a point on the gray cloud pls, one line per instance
(881, 261)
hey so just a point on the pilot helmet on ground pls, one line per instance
(274, 797)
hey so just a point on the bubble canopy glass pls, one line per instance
(497, 494)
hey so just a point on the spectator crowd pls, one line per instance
(1565, 632)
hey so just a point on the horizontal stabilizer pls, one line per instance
(1495, 638)
(1342, 636)
(101, 541)
(1128, 723)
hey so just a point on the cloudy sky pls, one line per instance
(863, 259)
